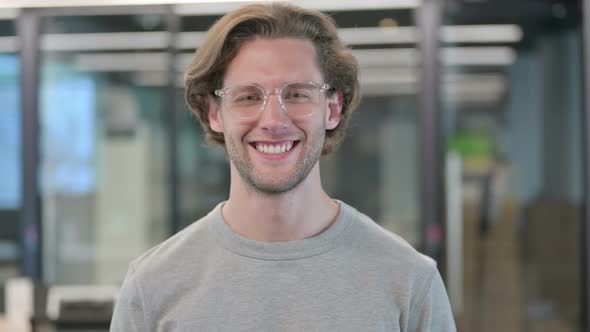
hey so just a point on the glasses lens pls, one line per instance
(245, 99)
(299, 97)
(300, 93)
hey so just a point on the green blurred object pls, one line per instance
(472, 145)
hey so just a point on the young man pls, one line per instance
(274, 85)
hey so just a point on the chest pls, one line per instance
(283, 296)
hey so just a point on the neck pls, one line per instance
(300, 213)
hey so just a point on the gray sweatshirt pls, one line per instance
(355, 276)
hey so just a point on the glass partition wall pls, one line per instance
(103, 164)
(513, 114)
(10, 141)
(106, 133)
(375, 169)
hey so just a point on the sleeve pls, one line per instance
(129, 315)
(432, 312)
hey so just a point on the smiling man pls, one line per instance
(275, 86)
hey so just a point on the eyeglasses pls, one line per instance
(296, 98)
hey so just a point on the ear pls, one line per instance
(334, 110)
(215, 119)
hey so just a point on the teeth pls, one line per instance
(274, 149)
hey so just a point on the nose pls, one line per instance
(273, 117)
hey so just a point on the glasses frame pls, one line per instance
(221, 93)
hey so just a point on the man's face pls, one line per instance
(275, 151)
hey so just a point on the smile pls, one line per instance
(274, 148)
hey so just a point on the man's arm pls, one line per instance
(129, 314)
(432, 312)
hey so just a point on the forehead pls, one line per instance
(273, 62)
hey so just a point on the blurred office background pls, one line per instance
(469, 143)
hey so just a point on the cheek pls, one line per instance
(309, 124)
(317, 119)
(238, 129)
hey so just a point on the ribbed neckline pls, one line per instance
(296, 249)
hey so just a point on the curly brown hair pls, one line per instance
(275, 20)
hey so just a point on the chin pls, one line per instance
(276, 187)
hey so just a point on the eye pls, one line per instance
(246, 96)
(298, 93)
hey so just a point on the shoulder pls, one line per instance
(387, 249)
(186, 246)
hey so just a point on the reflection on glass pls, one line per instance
(10, 195)
(68, 105)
